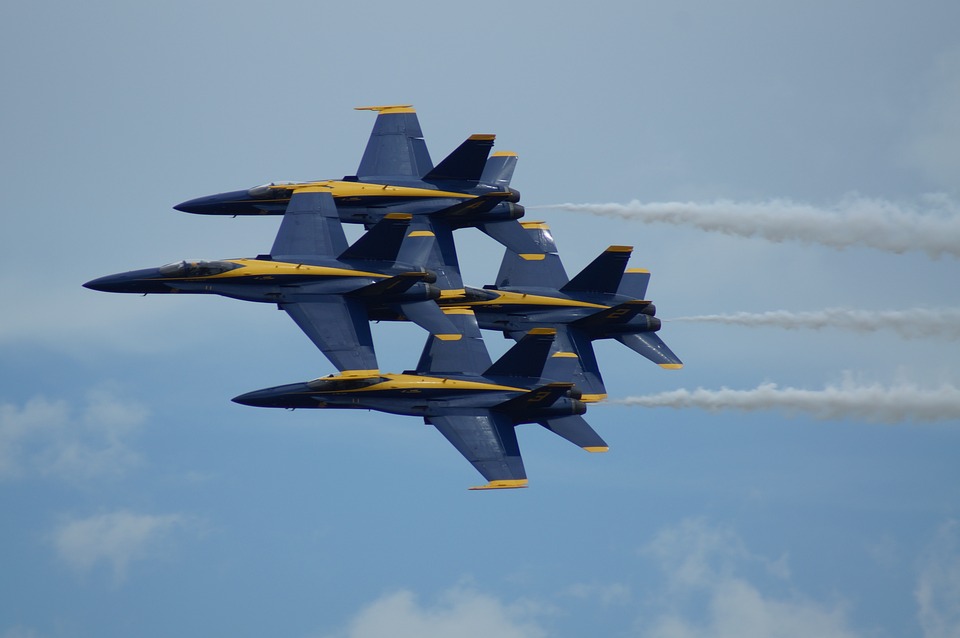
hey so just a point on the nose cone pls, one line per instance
(234, 203)
(294, 395)
(136, 281)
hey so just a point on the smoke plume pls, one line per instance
(856, 221)
(911, 323)
(876, 403)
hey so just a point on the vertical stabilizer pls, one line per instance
(518, 272)
(463, 353)
(310, 227)
(499, 168)
(396, 148)
(603, 274)
(527, 358)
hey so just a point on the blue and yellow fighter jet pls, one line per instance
(476, 405)
(327, 287)
(605, 300)
(396, 175)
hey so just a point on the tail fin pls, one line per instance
(382, 242)
(526, 359)
(429, 244)
(499, 168)
(603, 274)
(466, 163)
(515, 271)
(634, 283)
(576, 430)
(466, 355)
(310, 227)
(396, 147)
(574, 350)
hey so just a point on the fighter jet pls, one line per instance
(474, 404)
(311, 273)
(605, 300)
(396, 175)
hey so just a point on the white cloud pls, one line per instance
(458, 612)
(706, 596)
(938, 585)
(116, 539)
(52, 438)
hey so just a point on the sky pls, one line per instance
(787, 172)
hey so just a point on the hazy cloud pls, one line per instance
(916, 322)
(938, 585)
(876, 403)
(52, 438)
(855, 221)
(458, 612)
(934, 147)
(116, 539)
(706, 595)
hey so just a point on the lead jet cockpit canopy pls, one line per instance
(196, 268)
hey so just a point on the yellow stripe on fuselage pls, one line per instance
(341, 189)
(264, 268)
(506, 298)
(418, 382)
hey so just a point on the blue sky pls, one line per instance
(138, 500)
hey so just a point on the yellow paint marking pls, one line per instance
(543, 331)
(670, 366)
(619, 249)
(456, 310)
(388, 108)
(533, 256)
(596, 449)
(593, 398)
(340, 189)
(260, 268)
(504, 154)
(446, 337)
(482, 137)
(452, 293)
(350, 374)
(502, 485)
(505, 297)
(421, 233)
(566, 355)
(398, 216)
(639, 270)
(535, 225)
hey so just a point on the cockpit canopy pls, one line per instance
(341, 384)
(267, 190)
(196, 268)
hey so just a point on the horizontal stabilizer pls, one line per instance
(466, 355)
(382, 242)
(511, 234)
(339, 328)
(536, 399)
(428, 315)
(527, 358)
(466, 163)
(310, 228)
(576, 430)
(652, 347)
(634, 283)
(603, 274)
(396, 148)
(518, 272)
(489, 442)
(499, 168)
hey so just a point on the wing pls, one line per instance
(489, 442)
(396, 148)
(339, 327)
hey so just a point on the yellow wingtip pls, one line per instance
(670, 366)
(597, 449)
(387, 108)
(502, 485)
(533, 256)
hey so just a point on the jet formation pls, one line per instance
(405, 268)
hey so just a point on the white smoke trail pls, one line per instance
(854, 221)
(893, 404)
(911, 323)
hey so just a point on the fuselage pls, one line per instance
(262, 280)
(365, 202)
(410, 394)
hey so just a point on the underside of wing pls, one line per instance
(489, 442)
(339, 327)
